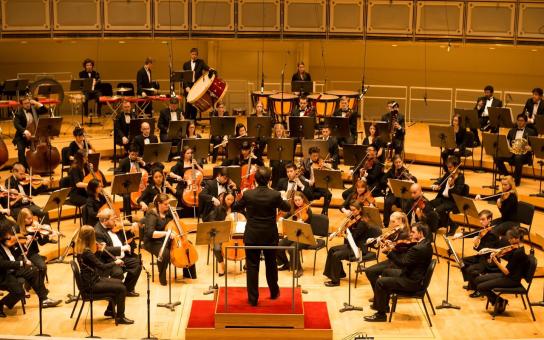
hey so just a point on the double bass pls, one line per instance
(42, 157)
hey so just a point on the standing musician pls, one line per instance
(15, 266)
(510, 275)
(168, 114)
(293, 182)
(143, 139)
(518, 140)
(303, 109)
(346, 112)
(301, 74)
(452, 182)
(397, 129)
(196, 65)
(157, 185)
(89, 72)
(120, 248)
(92, 267)
(25, 121)
(260, 205)
(79, 143)
(534, 106)
(332, 143)
(184, 164)
(220, 111)
(482, 104)
(418, 208)
(300, 211)
(460, 140)
(95, 201)
(78, 170)
(144, 80)
(400, 172)
(508, 206)
(122, 125)
(374, 140)
(371, 170)
(209, 196)
(20, 184)
(413, 264)
(315, 162)
(361, 230)
(361, 194)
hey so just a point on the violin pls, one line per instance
(35, 180)
(420, 204)
(366, 199)
(387, 235)
(301, 214)
(348, 222)
(399, 246)
(42, 229)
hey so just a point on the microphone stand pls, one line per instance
(148, 305)
(282, 89)
(214, 286)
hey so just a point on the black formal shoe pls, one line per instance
(275, 296)
(283, 268)
(376, 317)
(221, 274)
(53, 241)
(2, 314)
(252, 303)
(332, 284)
(374, 308)
(500, 305)
(162, 280)
(108, 313)
(124, 321)
(48, 303)
(466, 287)
(133, 294)
(476, 294)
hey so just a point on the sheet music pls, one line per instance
(352, 244)
(240, 227)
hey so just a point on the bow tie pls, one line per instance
(520, 129)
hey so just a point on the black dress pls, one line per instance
(78, 196)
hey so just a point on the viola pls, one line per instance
(94, 175)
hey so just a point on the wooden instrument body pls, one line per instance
(193, 178)
(183, 253)
(234, 254)
(135, 196)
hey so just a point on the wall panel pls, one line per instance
(81, 15)
(346, 16)
(171, 15)
(213, 15)
(127, 15)
(490, 19)
(390, 17)
(439, 17)
(258, 15)
(305, 16)
(531, 20)
(25, 15)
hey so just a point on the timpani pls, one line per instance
(353, 98)
(324, 104)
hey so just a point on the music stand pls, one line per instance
(467, 207)
(177, 129)
(136, 126)
(468, 119)
(339, 126)
(187, 76)
(442, 137)
(156, 152)
(354, 154)
(281, 149)
(373, 215)
(300, 233)
(200, 146)
(259, 126)
(357, 255)
(328, 179)
(451, 251)
(302, 87)
(94, 159)
(500, 117)
(323, 146)
(234, 172)
(235, 144)
(401, 189)
(301, 127)
(537, 146)
(382, 127)
(56, 201)
(222, 126)
(49, 127)
(17, 86)
(495, 144)
(210, 234)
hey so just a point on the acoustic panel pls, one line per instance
(346, 16)
(531, 20)
(258, 15)
(25, 15)
(171, 15)
(81, 15)
(490, 19)
(439, 17)
(390, 16)
(305, 16)
(127, 15)
(213, 15)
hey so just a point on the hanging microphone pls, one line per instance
(262, 82)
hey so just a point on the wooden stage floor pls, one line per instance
(471, 322)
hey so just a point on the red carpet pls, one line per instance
(316, 315)
(202, 314)
(237, 302)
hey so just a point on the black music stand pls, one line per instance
(339, 126)
(302, 87)
(354, 154)
(300, 233)
(156, 152)
(94, 159)
(83, 85)
(323, 146)
(235, 144)
(125, 184)
(222, 126)
(210, 234)
(495, 144)
(17, 86)
(301, 127)
(136, 127)
(468, 119)
(328, 179)
(200, 146)
(281, 149)
(451, 251)
(234, 172)
(499, 117)
(401, 190)
(442, 137)
(56, 201)
(539, 124)
(537, 146)
(259, 126)
(49, 127)
(177, 129)
(467, 207)
(357, 255)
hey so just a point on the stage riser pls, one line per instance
(259, 321)
(256, 333)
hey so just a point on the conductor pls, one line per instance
(261, 230)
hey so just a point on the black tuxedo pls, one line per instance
(484, 120)
(283, 182)
(427, 210)
(17, 206)
(139, 142)
(517, 160)
(122, 129)
(398, 137)
(142, 80)
(352, 119)
(261, 205)
(307, 113)
(444, 204)
(92, 94)
(305, 77)
(200, 66)
(334, 153)
(529, 105)
(164, 122)
(494, 103)
(205, 204)
(21, 123)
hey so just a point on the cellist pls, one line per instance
(131, 163)
(157, 185)
(95, 201)
(184, 164)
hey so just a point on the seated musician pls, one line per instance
(220, 111)
(117, 243)
(508, 206)
(301, 74)
(452, 182)
(346, 112)
(14, 267)
(361, 230)
(396, 123)
(79, 143)
(418, 208)
(170, 113)
(25, 121)
(259, 110)
(156, 220)
(143, 139)
(157, 185)
(20, 185)
(78, 170)
(303, 109)
(315, 162)
(400, 172)
(212, 189)
(518, 140)
(332, 142)
(510, 275)
(246, 153)
(131, 163)
(413, 263)
(278, 165)
(191, 131)
(185, 163)
(89, 72)
(375, 141)
(5, 216)
(300, 211)
(460, 140)
(361, 194)
(482, 104)
(91, 268)
(240, 131)
(293, 182)
(371, 171)
(534, 106)
(95, 201)
(122, 125)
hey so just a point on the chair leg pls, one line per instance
(79, 314)
(393, 306)
(356, 275)
(75, 305)
(23, 303)
(530, 307)
(208, 257)
(523, 300)
(426, 312)
(315, 260)
(436, 249)
(430, 301)
(487, 304)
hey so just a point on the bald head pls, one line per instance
(146, 129)
(415, 191)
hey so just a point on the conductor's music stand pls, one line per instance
(442, 137)
(328, 179)
(156, 152)
(48, 127)
(467, 207)
(301, 127)
(401, 189)
(17, 86)
(537, 145)
(354, 154)
(259, 126)
(495, 144)
(56, 201)
(222, 126)
(323, 146)
(281, 149)
(468, 119)
(200, 146)
(210, 234)
(235, 144)
(300, 233)
(339, 126)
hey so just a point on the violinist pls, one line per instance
(303, 109)
(508, 206)
(332, 143)
(209, 196)
(418, 208)
(184, 164)
(413, 263)
(314, 161)
(25, 121)
(22, 192)
(397, 127)
(117, 245)
(157, 185)
(89, 72)
(223, 212)
(345, 111)
(294, 182)
(13, 267)
(362, 194)
(300, 211)
(361, 230)
(398, 172)
(370, 170)
(375, 140)
(122, 125)
(220, 111)
(460, 140)
(91, 267)
(95, 201)
(79, 143)
(510, 275)
(452, 182)
(143, 139)
(78, 170)
(168, 114)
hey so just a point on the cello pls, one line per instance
(193, 178)
(182, 252)
(248, 177)
(135, 196)
(234, 254)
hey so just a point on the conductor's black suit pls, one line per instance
(260, 205)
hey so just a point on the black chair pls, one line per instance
(520, 290)
(65, 183)
(469, 150)
(525, 216)
(106, 89)
(420, 294)
(86, 296)
(84, 215)
(320, 228)
(127, 85)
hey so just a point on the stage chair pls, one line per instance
(320, 228)
(526, 212)
(65, 161)
(469, 150)
(420, 295)
(65, 183)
